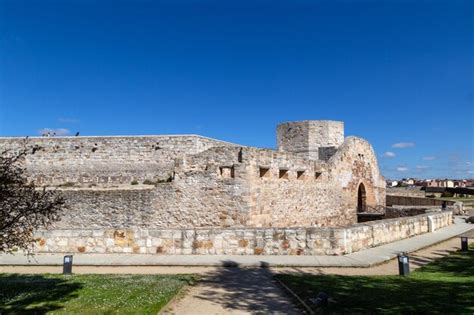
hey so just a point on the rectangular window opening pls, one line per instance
(227, 171)
(300, 175)
(264, 172)
(283, 174)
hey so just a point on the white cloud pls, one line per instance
(57, 132)
(422, 167)
(68, 120)
(470, 172)
(470, 163)
(429, 158)
(402, 145)
(402, 169)
(389, 154)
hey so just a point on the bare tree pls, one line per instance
(23, 207)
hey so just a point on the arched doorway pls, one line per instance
(361, 199)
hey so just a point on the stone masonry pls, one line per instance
(317, 178)
(240, 241)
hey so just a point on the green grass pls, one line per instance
(442, 287)
(88, 294)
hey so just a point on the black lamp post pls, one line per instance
(67, 265)
(464, 244)
(403, 264)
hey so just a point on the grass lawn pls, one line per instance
(88, 294)
(442, 287)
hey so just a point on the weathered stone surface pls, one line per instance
(248, 241)
(201, 182)
(187, 194)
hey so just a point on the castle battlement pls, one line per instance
(312, 179)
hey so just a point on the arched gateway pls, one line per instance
(361, 199)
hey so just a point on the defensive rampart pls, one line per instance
(240, 241)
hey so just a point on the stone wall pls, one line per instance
(392, 200)
(194, 182)
(353, 165)
(188, 203)
(107, 208)
(293, 192)
(312, 139)
(406, 191)
(239, 241)
(375, 233)
(105, 160)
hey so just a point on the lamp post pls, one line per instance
(464, 244)
(403, 264)
(67, 265)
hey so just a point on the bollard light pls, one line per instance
(464, 245)
(67, 265)
(403, 264)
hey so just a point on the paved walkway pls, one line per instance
(417, 259)
(363, 258)
(234, 291)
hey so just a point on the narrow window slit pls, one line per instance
(264, 172)
(300, 175)
(283, 174)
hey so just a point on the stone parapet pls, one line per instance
(240, 241)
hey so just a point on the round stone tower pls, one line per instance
(312, 139)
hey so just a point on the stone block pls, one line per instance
(97, 233)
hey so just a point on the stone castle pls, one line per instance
(189, 194)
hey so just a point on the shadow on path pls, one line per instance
(246, 290)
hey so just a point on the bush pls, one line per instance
(134, 182)
(447, 194)
(148, 182)
(23, 207)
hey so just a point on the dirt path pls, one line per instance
(235, 291)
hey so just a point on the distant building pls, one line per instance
(447, 183)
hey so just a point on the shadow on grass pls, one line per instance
(34, 294)
(445, 286)
(456, 264)
(358, 294)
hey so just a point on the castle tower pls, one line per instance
(312, 139)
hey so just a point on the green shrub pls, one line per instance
(447, 194)
(148, 182)
(134, 182)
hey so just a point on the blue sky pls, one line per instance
(398, 73)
